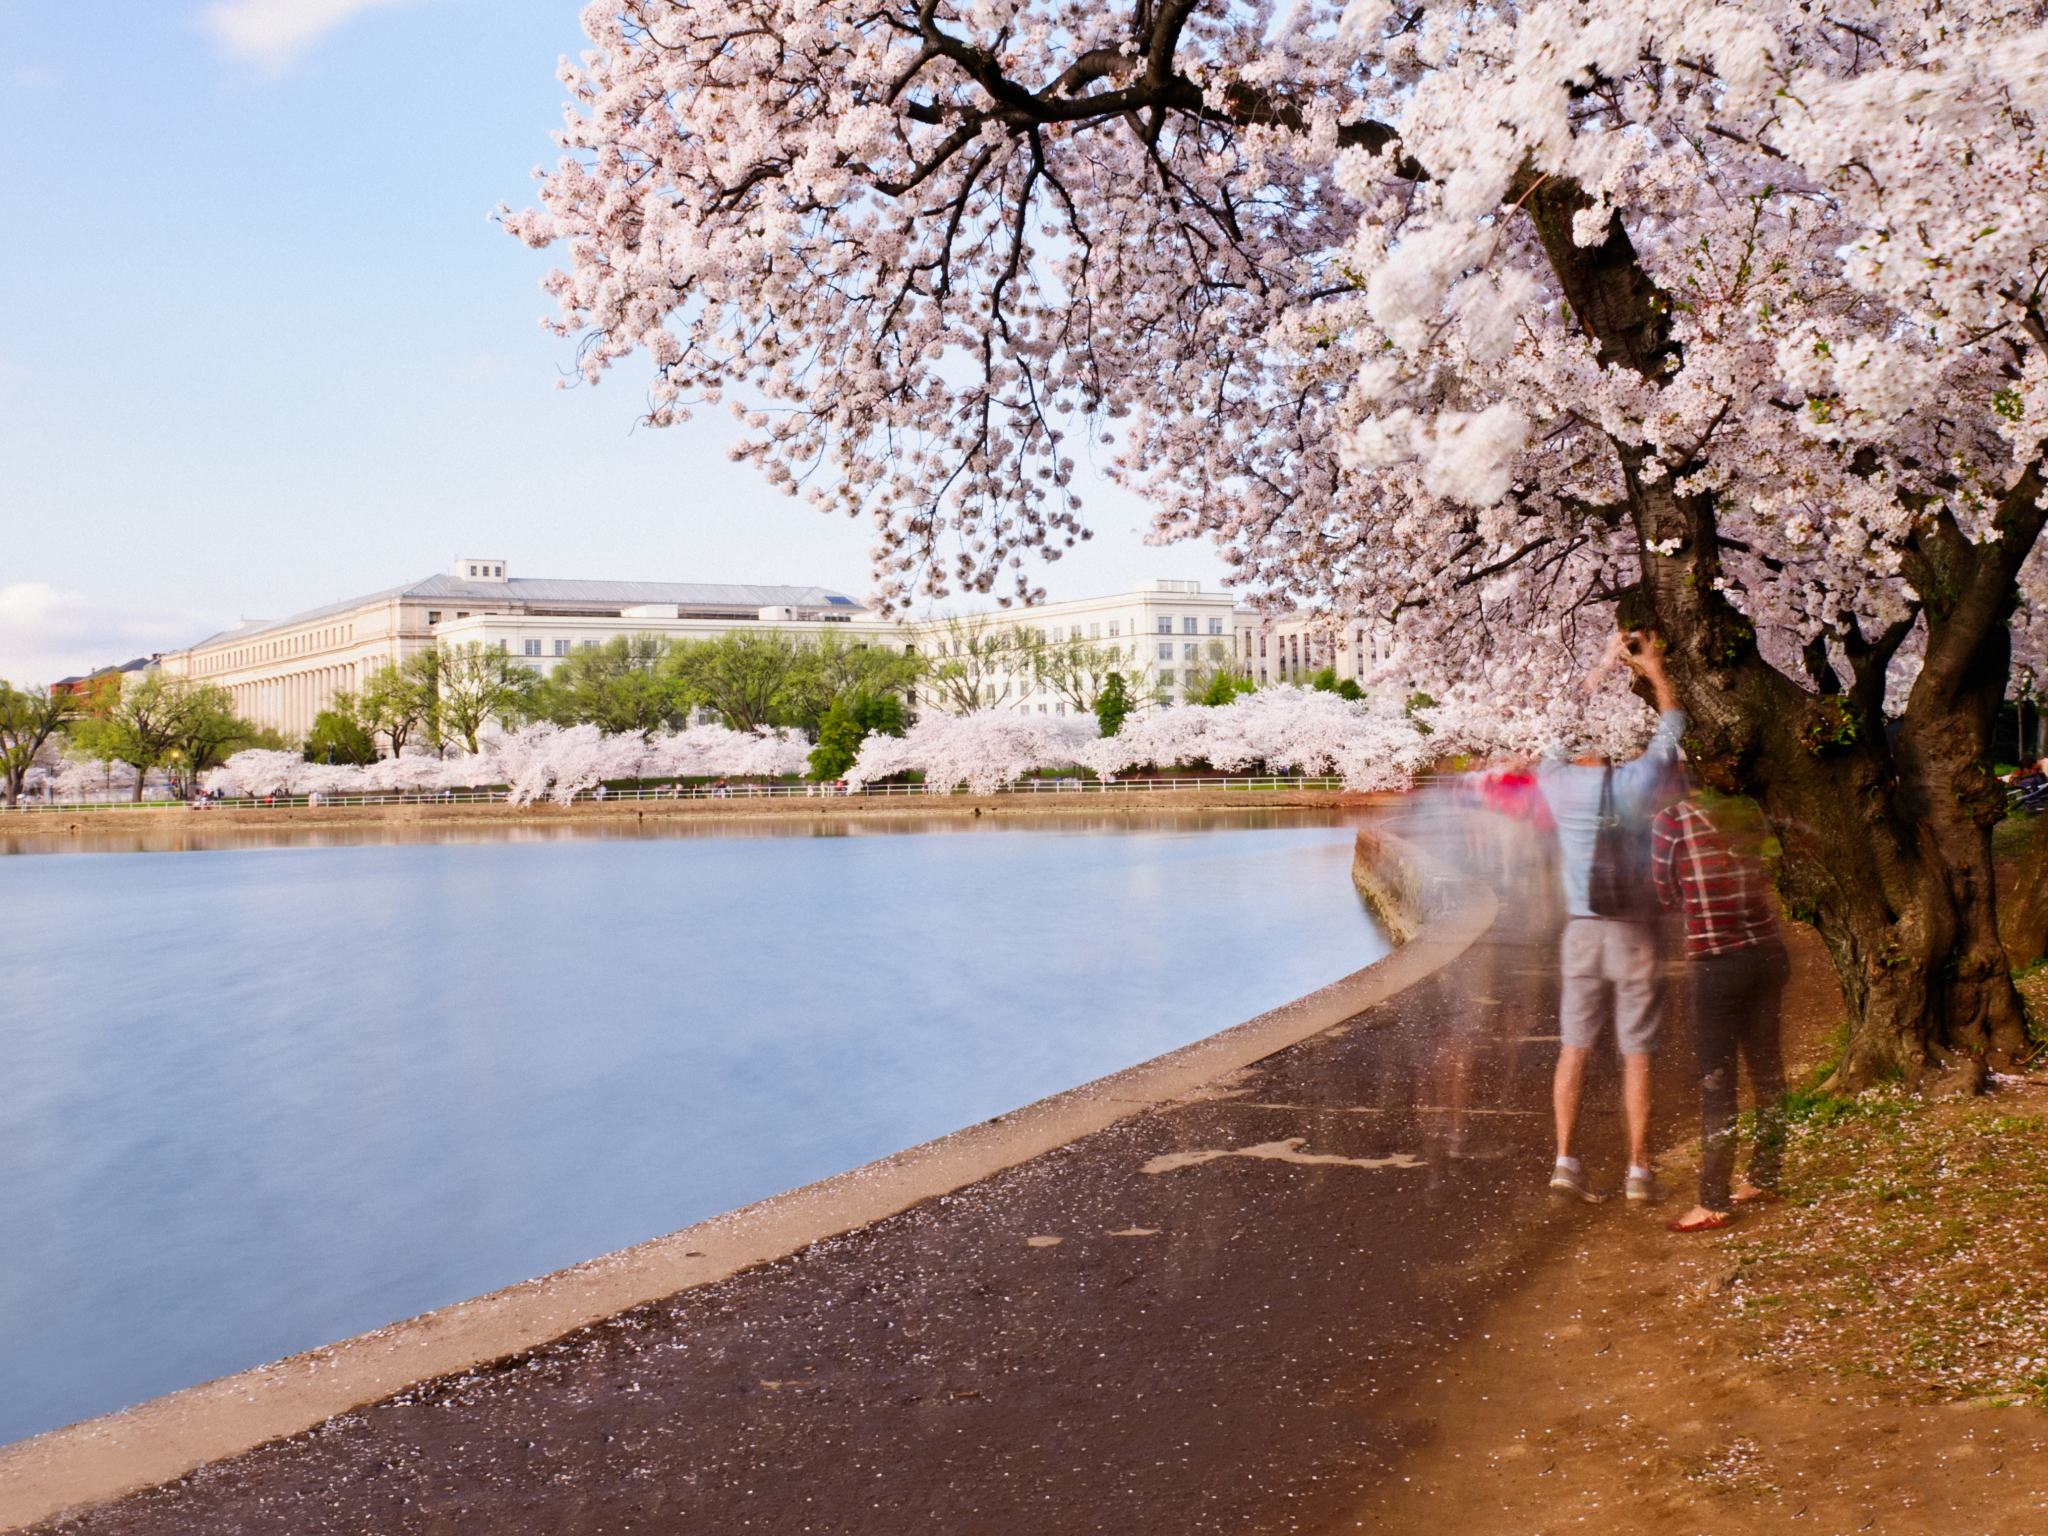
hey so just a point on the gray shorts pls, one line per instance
(1603, 952)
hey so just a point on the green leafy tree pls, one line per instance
(1113, 706)
(481, 683)
(29, 717)
(881, 716)
(624, 684)
(835, 667)
(172, 723)
(1327, 681)
(402, 700)
(744, 675)
(340, 734)
(847, 724)
(213, 732)
(839, 739)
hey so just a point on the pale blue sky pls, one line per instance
(264, 349)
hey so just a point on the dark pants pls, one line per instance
(1735, 998)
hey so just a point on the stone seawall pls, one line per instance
(1431, 918)
(593, 813)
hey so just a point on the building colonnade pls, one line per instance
(289, 702)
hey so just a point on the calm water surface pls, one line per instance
(258, 1099)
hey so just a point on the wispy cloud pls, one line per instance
(46, 634)
(274, 31)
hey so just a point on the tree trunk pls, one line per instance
(1887, 843)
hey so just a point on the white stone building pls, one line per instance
(281, 673)
(1169, 630)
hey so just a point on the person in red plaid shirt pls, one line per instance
(1705, 861)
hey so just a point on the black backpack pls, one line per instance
(1619, 884)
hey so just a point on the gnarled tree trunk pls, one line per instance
(1886, 833)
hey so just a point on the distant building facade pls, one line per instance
(281, 673)
(1173, 637)
(1167, 636)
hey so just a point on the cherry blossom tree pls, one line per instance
(1494, 325)
(985, 751)
(1280, 730)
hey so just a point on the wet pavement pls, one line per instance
(1183, 1323)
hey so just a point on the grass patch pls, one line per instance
(1913, 1247)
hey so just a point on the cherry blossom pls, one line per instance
(1490, 326)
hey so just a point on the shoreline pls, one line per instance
(625, 813)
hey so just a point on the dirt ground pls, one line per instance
(1640, 1382)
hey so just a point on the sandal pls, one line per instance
(1713, 1221)
(1757, 1197)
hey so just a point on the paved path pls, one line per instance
(1180, 1324)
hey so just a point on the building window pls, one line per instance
(590, 645)
(1166, 651)
(1262, 645)
(533, 647)
(472, 570)
(1215, 626)
(433, 615)
(1187, 652)
(1112, 629)
(1166, 626)
(1187, 626)
(1166, 678)
(561, 647)
(1095, 631)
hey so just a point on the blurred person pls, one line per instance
(1704, 857)
(1612, 951)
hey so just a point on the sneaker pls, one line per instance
(1642, 1191)
(1564, 1181)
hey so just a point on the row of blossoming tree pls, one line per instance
(1273, 730)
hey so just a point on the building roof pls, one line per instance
(520, 591)
(139, 664)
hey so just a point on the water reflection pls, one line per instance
(258, 1102)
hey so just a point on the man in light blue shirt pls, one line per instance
(1612, 951)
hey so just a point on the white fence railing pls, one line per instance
(721, 792)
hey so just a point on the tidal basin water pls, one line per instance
(259, 1099)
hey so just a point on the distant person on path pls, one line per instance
(1610, 950)
(1704, 858)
